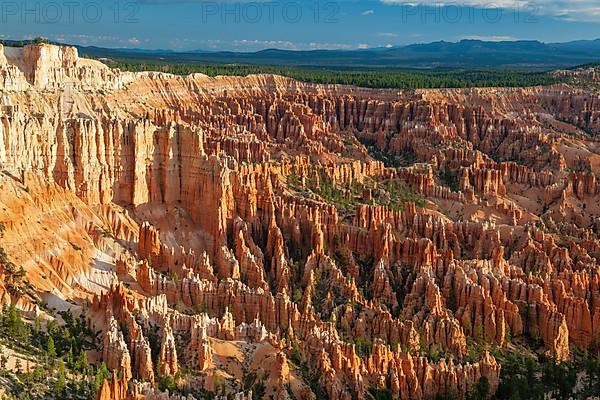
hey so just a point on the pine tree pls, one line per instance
(37, 326)
(61, 381)
(101, 374)
(82, 363)
(70, 357)
(13, 322)
(50, 348)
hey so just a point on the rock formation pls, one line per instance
(234, 226)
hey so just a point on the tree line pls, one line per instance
(398, 79)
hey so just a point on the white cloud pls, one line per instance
(255, 44)
(570, 10)
(183, 44)
(88, 40)
(367, 12)
(490, 38)
(388, 34)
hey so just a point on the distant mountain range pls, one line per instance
(463, 54)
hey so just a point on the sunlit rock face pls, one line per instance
(325, 240)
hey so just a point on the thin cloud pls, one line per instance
(569, 10)
(254, 44)
(367, 12)
(498, 38)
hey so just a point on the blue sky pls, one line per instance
(299, 25)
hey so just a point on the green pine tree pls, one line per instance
(50, 348)
(70, 361)
(61, 381)
(101, 374)
(82, 362)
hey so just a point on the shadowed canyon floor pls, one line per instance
(258, 237)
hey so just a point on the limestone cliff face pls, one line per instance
(219, 225)
(48, 67)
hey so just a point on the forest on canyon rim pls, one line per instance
(174, 236)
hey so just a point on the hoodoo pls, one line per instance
(259, 236)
